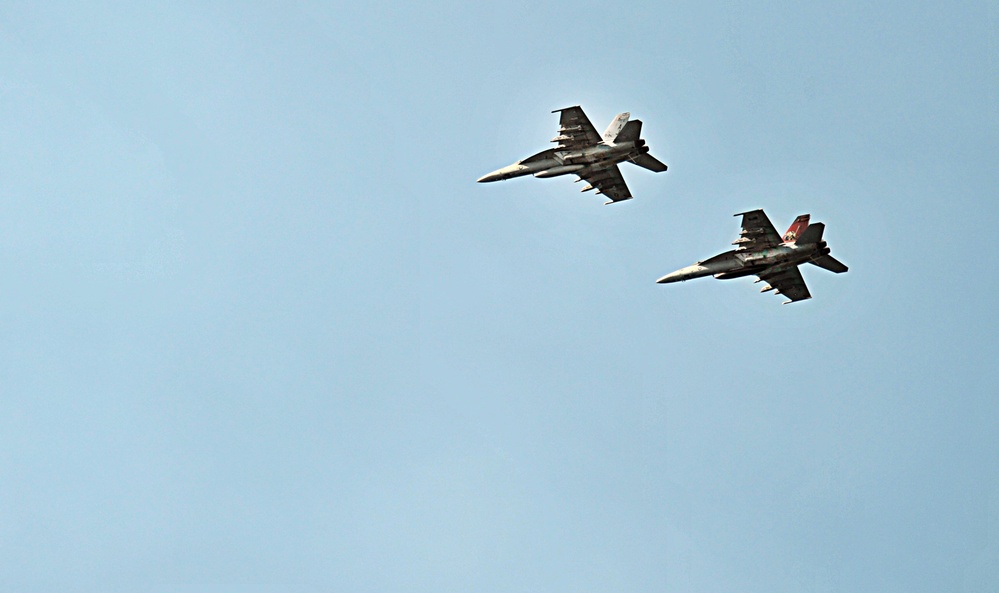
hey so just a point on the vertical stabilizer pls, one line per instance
(615, 127)
(796, 229)
(631, 132)
(813, 234)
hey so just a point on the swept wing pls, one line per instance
(788, 282)
(607, 181)
(575, 130)
(757, 231)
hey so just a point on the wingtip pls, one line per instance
(796, 301)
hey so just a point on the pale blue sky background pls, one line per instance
(260, 330)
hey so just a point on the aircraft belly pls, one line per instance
(739, 273)
(559, 170)
(721, 264)
(776, 256)
(600, 155)
(753, 266)
(543, 165)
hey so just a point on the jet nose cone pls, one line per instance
(497, 175)
(682, 274)
(514, 170)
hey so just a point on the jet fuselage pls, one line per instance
(567, 162)
(739, 263)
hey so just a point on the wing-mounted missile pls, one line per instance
(750, 235)
(560, 138)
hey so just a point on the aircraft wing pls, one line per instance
(575, 130)
(757, 231)
(608, 182)
(787, 282)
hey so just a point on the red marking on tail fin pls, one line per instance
(797, 227)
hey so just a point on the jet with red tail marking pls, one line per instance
(592, 157)
(760, 251)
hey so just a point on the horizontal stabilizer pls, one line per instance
(830, 263)
(812, 234)
(649, 162)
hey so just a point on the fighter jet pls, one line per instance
(582, 152)
(762, 252)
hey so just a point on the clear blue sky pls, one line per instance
(261, 331)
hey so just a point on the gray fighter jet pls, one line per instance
(762, 252)
(582, 152)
